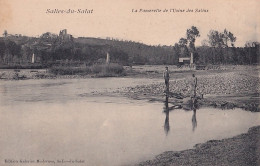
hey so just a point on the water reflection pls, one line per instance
(194, 119)
(166, 123)
(166, 110)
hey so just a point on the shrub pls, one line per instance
(112, 69)
(22, 66)
(102, 70)
(69, 70)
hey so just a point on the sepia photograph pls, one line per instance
(129, 83)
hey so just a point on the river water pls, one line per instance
(55, 120)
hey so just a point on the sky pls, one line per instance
(114, 18)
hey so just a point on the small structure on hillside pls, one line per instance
(186, 60)
(63, 35)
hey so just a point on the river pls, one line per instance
(51, 120)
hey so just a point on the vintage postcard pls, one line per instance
(129, 82)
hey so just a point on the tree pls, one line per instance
(183, 42)
(228, 37)
(205, 42)
(5, 34)
(192, 34)
(215, 39)
(2, 49)
(118, 56)
(251, 44)
(221, 39)
(26, 52)
(177, 52)
(13, 49)
(252, 51)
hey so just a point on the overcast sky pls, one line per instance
(115, 19)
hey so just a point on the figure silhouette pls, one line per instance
(166, 123)
(194, 120)
(166, 77)
(166, 110)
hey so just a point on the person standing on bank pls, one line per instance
(193, 88)
(194, 82)
(166, 77)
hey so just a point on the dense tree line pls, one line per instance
(228, 55)
(219, 48)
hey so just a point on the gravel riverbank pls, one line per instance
(242, 150)
(224, 89)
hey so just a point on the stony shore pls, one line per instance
(242, 150)
(225, 89)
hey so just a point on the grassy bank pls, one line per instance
(100, 70)
(24, 66)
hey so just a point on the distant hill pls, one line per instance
(50, 47)
(138, 53)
